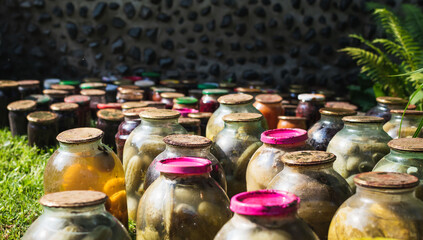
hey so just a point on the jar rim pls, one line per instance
(8, 84)
(187, 140)
(55, 92)
(391, 100)
(63, 106)
(39, 98)
(284, 136)
(93, 92)
(133, 104)
(93, 85)
(117, 106)
(200, 115)
(28, 83)
(386, 180)
(307, 158)
(73, 199)
(184, 165)
(292, 118)
(311, 97)
(214, 91)
(362, 119)
(171, 95)
(110, 114)
(407, 112)
(135, 112)
(186, 100)
(160, 114)
(42, 117)
(80, 135)
(407, 144)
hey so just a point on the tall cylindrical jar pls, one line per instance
(8, 93)
(55, 95)
(28, 87)
(309, 106)
(108, 120)
(169, 97)
(66, 113)
(83, 162)
(18, 111)
(385, 105)
(204, 119)
(410, 123)
(83, 111)
(270, 105)
(310, 176)
(96, 96)
(42, 129)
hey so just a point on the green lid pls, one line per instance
(93, 85)
(162, 90)
(216, 91)
(39, 98)
(186, 100)
(150, 74)
(207, 85)
(70, 82)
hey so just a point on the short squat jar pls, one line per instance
(208, 102)
(75, 215)
(18, 111)
(266, 162)
(108, 120)
(156, 95)
(309, 106)
(8, 93)
(185, 202)
(96, 96)
(143, 145)
(411, 121)
(66, 113)
(42, 129)
(204, 119)
(385, 105)
(29, 87)
(169, 97)
(83, 162)
(406, 156)
(310, 176)
(83, 111)
(292, 122)
(358, 146)
(265, 214)
(270, 105)
(320, 134)
(383, 207)
(239, 140)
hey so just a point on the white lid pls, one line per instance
(311, 97)
(144, 83)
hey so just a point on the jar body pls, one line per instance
(174, 202)
(384, 110)
(144, 144)
(110, 128)
(408, 128)
(239, 141)
(83, 113)
(242, 227)
(271, 112)
(42, 135)
(358, 147)
(292, 123)
(7, 95)
(66, 120)
(124, 129)
(209, 103)
(378, 213)
(168, 102)
(309, 110)
(88, 166)
(18, 122)
(79, 223)
(321, 190)
(93, 104)
(192, 129)
(320, 134)
(28, 90)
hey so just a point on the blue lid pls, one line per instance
(50, 81)
(111, 87)
(109, 79)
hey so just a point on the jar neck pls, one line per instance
(286, 146)
(188, 151)
(158, 122)
(303, 168)
(331, 119)
(363, 126)
(185, 177)
(397, 154)
(132, 119)
(398, 116)
(80, 147)
(246, 125)
(95, 209)
(267, 221)
(235, 106)
(384, 195)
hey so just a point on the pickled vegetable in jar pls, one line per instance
(18, 111)
(265, 214)
(191, 125)
(157, 91)
(69, 89)
(29, 87)
(75, 215)
(55, 95)
(208, 102)
(292, 122)
(83, 111)
(309, 106)
(129, 105)
(168, 97)
(239, 140)
(385, 105)
(204, 119)
(266, 161)
(406, 156)
(310, 176)
(410, 122)
(66, 113)
(42, 129)
(96, 96)
(384, 206)
(108, 121)
(185, 202)
(358, 146)
(185, 103)
(144, 144)
(183, 145)
(231, 103)
(270, 105)
(320, 134)
(83, 162)
(43, 101)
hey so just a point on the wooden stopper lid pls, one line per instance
(407, 112)
(62, 87)
(200, 115)
(135, 112)
(80, 135)
(110, 114)
(129, 105)
(392, 100)
(28, 83)
(93, 85)
(268, 98)
(128, 87)
(305, 158)
(235, 99)
(242, 117)
(407, 144)
(171, 95)
(64, 106)
(386, 180)
(337, 112)
(43, 117)
(187, 140)
(79, 99)
(93, 92)
(55, 92)
(247, 90)
(8, 84)
(22, 105)
(160, 114)
(292, 118)
(345, 105)
(73, 199)
(362, 119)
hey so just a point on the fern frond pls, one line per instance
(413, 21)
(391, 47)
(374, 5)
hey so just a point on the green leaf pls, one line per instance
(378, 90)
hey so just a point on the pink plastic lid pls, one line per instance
(184, 165)
(284, 136)
(185, 111)
(264, 203)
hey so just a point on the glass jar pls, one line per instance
(320, 134)
(144, 144)
(83, 162)
(66, 113)
(204, 119)
(384, 206)
(239, 140)
(75, 215)
(111, 92)
(185, 103)
(42, 129)
(191, 125)
(83, 111)
(358, 146)
(96, 96)
(309, 106)
(265, 214)
(409, 125)
(43, 101)
(270, 105)
(195, 93)
(208, 102)
(18, 111)
(292, 122)
(129, 95)
(146, 86)
(231, 103)
(385, 105)
(129, 105)
(28, 87)
(266, 161)
(69, 89)
(184, 196)
(8, 93)
(109, 120)
(157, 91)
(73, 83)
(55, 95)
(168, 97)
(290, 109)
(310, 176)
(406, 156)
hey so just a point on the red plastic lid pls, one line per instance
(184, 165)
(284, 136)
(80, 99)
(109, 106)
(185, 111)
(264, 203)
(133, 78)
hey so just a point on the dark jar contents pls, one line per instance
(168, 97)
(185, 103)
(66, 115)
(109, 121)
(204, 119)
(43, 101)
(191, 125)
(42, 129)
(18, 111)
(320, 134)
(8, 93)
(385, 105)
(96, 96)
(209, 103)
(55, 95)
(156, 95)
(83, 111)
(309, 106)
(29, 87)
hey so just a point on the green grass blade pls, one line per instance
(418, 130)
(402, 118)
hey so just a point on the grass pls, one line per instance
(21, 181)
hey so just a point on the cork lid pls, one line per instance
(345, 105)
(306, 158)
(79, 99)
(407, 112)
(189, 121)
(242, 117)
(129, 105)
(187, 140)
(110, 114)
(22, 105)
(93, 85)
(247, 90)
(292, 118)
(160, 114)
(43, 117)
(73, 199)
(337, 112)
(67, 88)
(64, 106)
(28, 83)
(268, 98)
(200, 115)
(135, 112)
(171, 95)
(39, 98)
(80, 135)
(407, 144)
(155, 104)
(55, 92)
(127, 87)
(386, 180)
(163, 90)
(93, 92)
(362, 119)
(8, 84)
(235, 99)
(392, 100)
